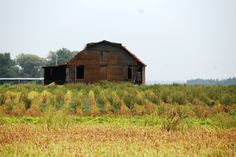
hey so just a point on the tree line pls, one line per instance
(229, 81)
(27, 65)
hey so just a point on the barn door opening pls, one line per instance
(129, 72)
(67, 74)
(80, 72)
(138, 75)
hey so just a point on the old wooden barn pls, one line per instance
(98, 61)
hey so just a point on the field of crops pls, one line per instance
(117, 119)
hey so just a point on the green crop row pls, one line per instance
(118, 98)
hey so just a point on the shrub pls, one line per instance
(45, 95)
(196, 101)
(139, 98)
(101, 100)
(18, 109)
(108, 109)
(103, 103)
(128, 99)
(56, 120)
(79, 104)
(68, 97)
(226, 99)
(32, 95)
(224, 120)
(149, 107)
(35, 109)
(217, 108)
(165, 95)
(137, 109)
(150, 96)
(122, 108)
(179, 98)
(67, 102)
(161, 109)
(1, 99)
(171, 123)
(3, 109)
(183, 110)
(94, 110)
(199, 111)
(11, 100)
(114, 99)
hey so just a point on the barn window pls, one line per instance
(80, 72)
(129, 72)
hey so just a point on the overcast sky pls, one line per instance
(177, 39)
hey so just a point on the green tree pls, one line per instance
(61, 56)
(8, 66)
(30, 65)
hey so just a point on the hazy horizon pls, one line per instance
(178, 40)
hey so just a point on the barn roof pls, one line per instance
(118, 45)
(53, 66)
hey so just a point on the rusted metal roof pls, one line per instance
(56, 65)
(119, 45)
(136, 58)
(104, 41)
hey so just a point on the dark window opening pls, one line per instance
(139, 77)
(139, 68)
(129, 72)
(80, 72)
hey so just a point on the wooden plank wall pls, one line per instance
(102, 62)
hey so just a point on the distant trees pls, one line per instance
(8, 67)
(30, 65)
(61, 56)
(229, 81)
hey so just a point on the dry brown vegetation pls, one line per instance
(108, 140)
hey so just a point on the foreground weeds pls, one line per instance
(63, 135)
(113, 140)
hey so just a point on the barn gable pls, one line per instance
(107, 47)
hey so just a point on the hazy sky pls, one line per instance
(177, 39)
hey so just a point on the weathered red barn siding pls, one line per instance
(112, 65)
(91, 67)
